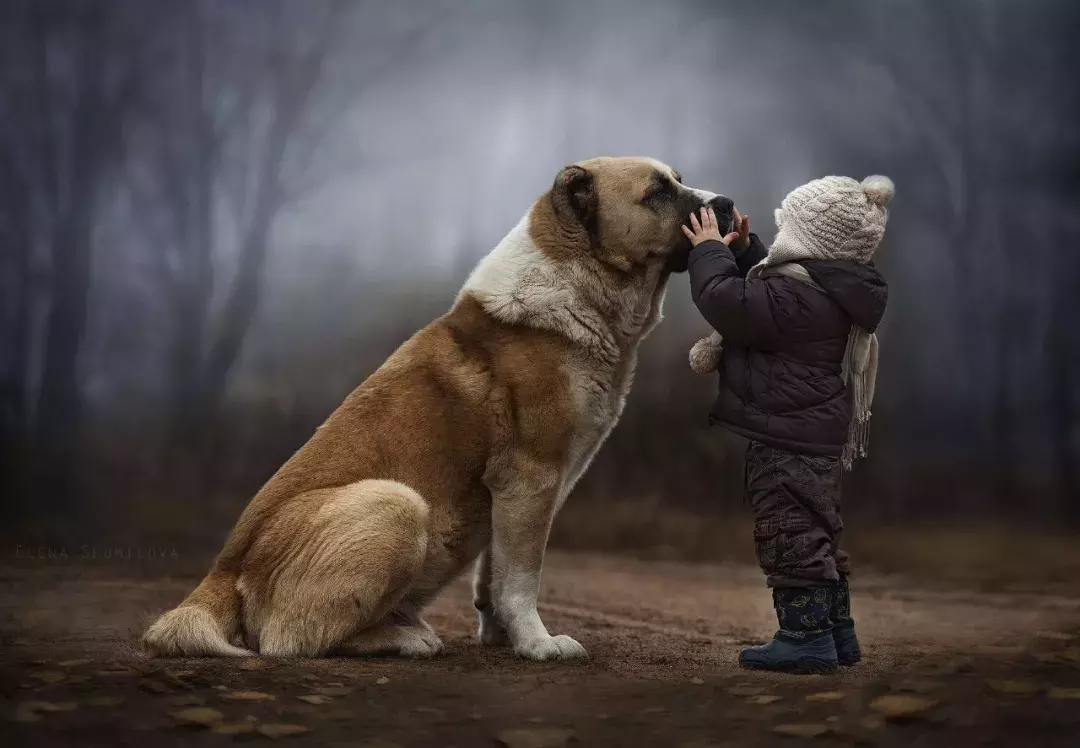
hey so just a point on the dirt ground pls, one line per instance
(943, 668)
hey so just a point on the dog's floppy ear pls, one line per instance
(575, 200)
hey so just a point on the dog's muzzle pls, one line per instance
(724, 208)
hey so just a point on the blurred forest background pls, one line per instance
(216, 218)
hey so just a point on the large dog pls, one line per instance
(462, 446)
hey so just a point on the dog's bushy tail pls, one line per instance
(203, 624)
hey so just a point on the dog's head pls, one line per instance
(629, 212)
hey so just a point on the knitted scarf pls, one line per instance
(860, 362)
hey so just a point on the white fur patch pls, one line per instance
(497, 278)
(705, 195)
(518, 284)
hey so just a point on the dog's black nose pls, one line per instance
(724, 208)
(722, 205)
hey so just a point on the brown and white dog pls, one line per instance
(461, 447)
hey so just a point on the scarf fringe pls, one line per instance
(859, 373)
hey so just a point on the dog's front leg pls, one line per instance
(521, 515)
(491, 632)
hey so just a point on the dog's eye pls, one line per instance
(661, 190)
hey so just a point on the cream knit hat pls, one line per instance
(832, 218)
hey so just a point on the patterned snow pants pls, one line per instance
(797, 525)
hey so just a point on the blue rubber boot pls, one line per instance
(847, 644)
(804, 643)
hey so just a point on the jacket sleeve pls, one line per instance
(742, 311)
(752, 255)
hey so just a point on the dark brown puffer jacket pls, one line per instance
(784, 343)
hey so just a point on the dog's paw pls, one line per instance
(705, 355)
(560, 647)
(424, 644)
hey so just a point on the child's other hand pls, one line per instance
(706, 229)
(742, 225)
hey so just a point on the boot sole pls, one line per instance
(849, 661)
(803, 666)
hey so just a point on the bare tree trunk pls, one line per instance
(193, 172)
(14, 354)
(1063, 374)
(295, 84)
(59, 407)
(88, 147)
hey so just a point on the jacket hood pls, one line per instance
(856, 286)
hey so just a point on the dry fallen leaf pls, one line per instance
(1072, 654)
(1016, 687)
(187, 699)
(316, 698)
(1063, 693)
(253, 664)
(332, 691)
(199, 716)
(802, 731)
(49, 676)
(281, 730)
(382, 681)
(30, 711)
(104, 701)
(535, 737)
(745, 690)
(233, 728)
(764, 698)
(897, 707)
(826, 696)
(697, 681)
(75, 663)
(248, 696)
(153, 686)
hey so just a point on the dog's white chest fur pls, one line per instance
(518, 284)
(599, 399)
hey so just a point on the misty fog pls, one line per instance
(218, 217)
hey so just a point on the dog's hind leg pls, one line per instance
(366, 546)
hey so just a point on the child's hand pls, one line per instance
(742, 225)
(706, 229)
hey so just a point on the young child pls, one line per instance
(797, 378)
